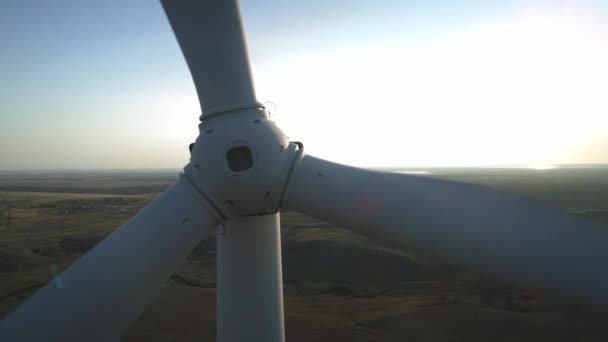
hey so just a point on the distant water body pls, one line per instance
(413, 172)
(536, 169)
(416, 171)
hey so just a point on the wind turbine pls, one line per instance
(243, 171)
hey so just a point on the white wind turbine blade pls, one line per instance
(211, 38)
(249, 284)
(495, 232)
(103, 293)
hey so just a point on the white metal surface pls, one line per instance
(102, 293)
(211, 38)
(257, 190)
(249, 281)
(495, 232)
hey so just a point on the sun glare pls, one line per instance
(541, 167)
(522, 91)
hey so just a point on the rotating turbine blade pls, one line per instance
(517, 239)
(249, 278)
(212, 41)
(104, 292)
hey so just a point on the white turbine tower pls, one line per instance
(243, 170)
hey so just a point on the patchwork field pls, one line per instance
(339, 286)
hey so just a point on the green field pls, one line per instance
(339, 286)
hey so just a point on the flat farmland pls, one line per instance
(339, 286)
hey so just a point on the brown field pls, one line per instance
(339, 286)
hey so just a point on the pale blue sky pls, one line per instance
(102, 84)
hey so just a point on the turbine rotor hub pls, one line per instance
(240, 163)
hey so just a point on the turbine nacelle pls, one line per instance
(240, 162)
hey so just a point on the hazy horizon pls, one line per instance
(441, 83)
(541, 167)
